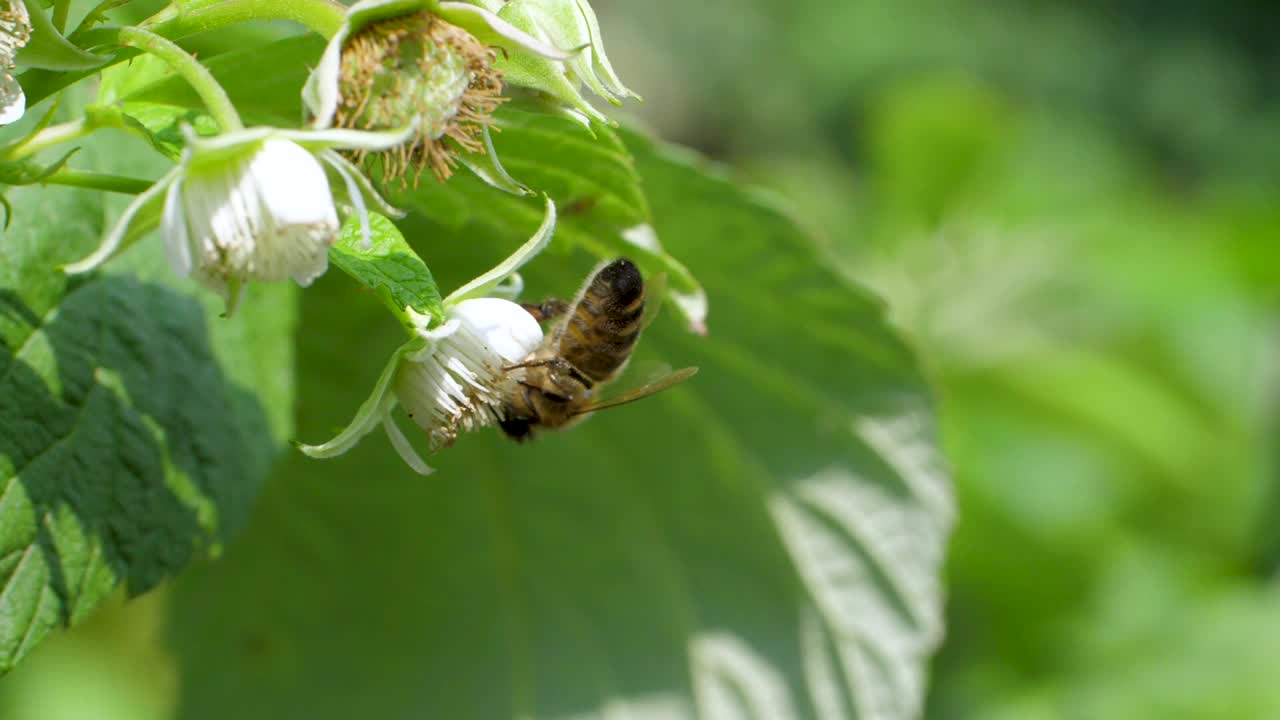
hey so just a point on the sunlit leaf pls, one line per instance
(135, 424)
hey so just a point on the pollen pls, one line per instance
(419, 66)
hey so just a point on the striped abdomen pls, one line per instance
(602, 328)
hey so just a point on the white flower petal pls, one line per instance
(502, 326)
(262, 212)
(173, 224)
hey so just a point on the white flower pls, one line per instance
(252, 205)
(458, 383)
(450, 376)
(267, 215)
(15, 31)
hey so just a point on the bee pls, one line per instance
(588, 347)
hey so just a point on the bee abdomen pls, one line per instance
(605, 324)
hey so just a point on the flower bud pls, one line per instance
(566, 24)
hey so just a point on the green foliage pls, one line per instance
(762, 540)
(1071, 212)
(137, 425)
(388, 266)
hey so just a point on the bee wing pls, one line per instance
(657, 386)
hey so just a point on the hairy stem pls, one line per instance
(196, 74)
(322, 17)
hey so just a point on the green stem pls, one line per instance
(97, 181)
(60, 10)
(49, 137)
(322, 17)
(196, 74)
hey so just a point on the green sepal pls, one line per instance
(25, 172)
(540, 74)
(486, 166)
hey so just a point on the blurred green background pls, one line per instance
(1073, 212)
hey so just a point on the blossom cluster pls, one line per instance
(403, 88)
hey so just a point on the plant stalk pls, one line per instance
(197, 75)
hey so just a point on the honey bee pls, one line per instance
(590, 344)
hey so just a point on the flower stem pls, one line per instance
(97, 181)
(48, 137)
(322, 17)
(60, 10)
(199, 77)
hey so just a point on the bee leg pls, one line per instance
(565, 376)
(548, 309)
(558, 367)
(543, 391)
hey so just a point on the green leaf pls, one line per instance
(47, 49)
(762, 541)
(135, 424)
(388, 267)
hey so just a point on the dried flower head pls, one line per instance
(419, 66)
(434, 60)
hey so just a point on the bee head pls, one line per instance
(623, 278)
(518, 429)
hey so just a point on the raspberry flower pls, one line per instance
(432, 61)
(450, 375)
(15, 31)
(252, 205)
